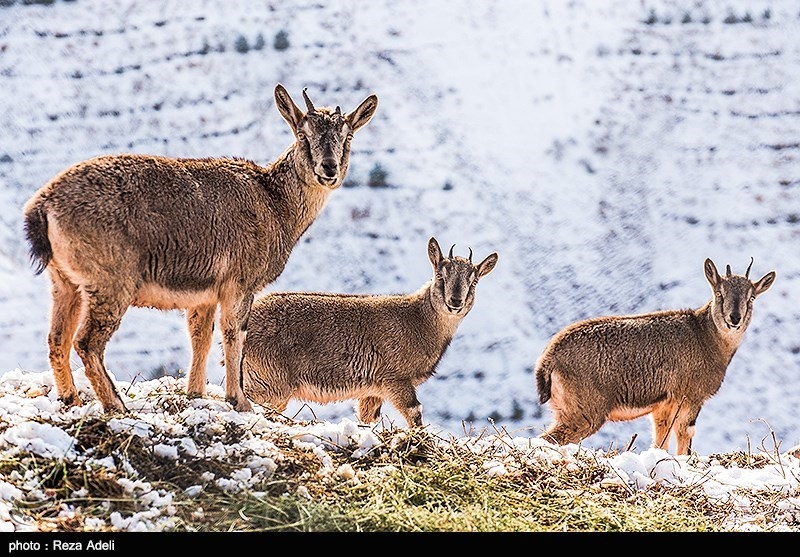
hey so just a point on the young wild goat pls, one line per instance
(331, 347)
(666, 364)
(138, 230)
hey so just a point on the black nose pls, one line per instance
(735, 318)
(455, 302)
(329, 168)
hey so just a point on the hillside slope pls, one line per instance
(603, 149)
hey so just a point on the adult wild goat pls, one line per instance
(139, 230)
(325, 348)
(666, 364)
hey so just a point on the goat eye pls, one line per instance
(719, 294)
(301, 136)
(752, 299)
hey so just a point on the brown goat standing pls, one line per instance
(138, 230)
(665, 363)
(330, 347)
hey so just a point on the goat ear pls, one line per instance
(287, 107)
(711, 273)
(485, 267)
(434, 252)
(359, 117)
(765, 282)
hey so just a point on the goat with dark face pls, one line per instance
(195, 234)
(665, 363)
(324, 348)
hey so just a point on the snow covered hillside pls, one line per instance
(603, 149)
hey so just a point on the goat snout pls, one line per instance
(330, 168)
(455, 305)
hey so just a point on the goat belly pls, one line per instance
(625, 414)
(155, 296)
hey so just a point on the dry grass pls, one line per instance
(412, 481)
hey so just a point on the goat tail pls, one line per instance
(41, 251)
(543, 383)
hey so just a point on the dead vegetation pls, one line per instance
(222, 473)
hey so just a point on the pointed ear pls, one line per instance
(434, 252)
(359, 117)
(764, 283)
(485, 267)
(287, 107)
(711, 273)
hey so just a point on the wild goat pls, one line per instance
(666, 364)
(139, 230)
(325, 348)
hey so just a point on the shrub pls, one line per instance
(241, 44)
(259, 44)
(377, 177)
(281, 41)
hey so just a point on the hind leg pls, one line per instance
(200, 321)
(266, 386)
(665, 416)
(571, 423)
(65, 313)
(103, 315)
(571, 430)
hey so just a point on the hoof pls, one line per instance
(240, 404)
(70, 400)
(117, 407)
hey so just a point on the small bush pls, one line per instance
(241, 44)
(281, 41)
(259, 44)
(377, 177)
(730, 19)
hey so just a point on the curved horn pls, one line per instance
(747, 272)
(309, 104)
(450, 255)
(470, 255)
(727, 270)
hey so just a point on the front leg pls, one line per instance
(369, 409)
(233, 319)
(403, 396)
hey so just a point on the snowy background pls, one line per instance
(603, 149)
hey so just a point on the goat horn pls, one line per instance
(470, 255)
(727, 270)
(309, 104)
(747, 272)
(450, 256)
